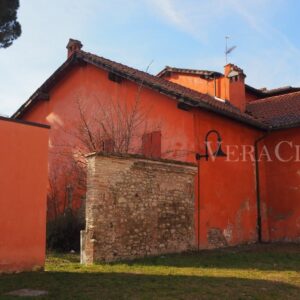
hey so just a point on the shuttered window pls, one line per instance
(108, 145)
(151, 144)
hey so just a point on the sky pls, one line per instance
(179, 33)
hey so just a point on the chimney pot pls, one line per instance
(235, 86)
(73, 46)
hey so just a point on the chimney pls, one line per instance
(73, 45)
(235, 86)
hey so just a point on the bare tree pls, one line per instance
(113, 126)
(110, 125)
(53, 196)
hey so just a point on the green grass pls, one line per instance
(248, 272)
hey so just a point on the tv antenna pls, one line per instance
(228, 50)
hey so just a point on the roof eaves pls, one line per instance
(199, 103)
(42, 91)
(287, 126)
(178, 96)
(168, 69)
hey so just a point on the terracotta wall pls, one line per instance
(195, 82)
(282, 177)
(221, 87)
(89, 85)
(228, 211)
(23, 184)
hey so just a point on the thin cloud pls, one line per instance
(192, 17)
(273, 60)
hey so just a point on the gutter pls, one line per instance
(198, 206)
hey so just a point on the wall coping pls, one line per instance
(140, 157)
(24, 122)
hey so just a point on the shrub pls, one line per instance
(63, 232)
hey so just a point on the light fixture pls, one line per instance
(218, 153)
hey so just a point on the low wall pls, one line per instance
(137, 207)
(23, 188)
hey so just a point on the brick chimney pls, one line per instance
(235, 86)
(73, 45)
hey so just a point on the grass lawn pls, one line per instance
(247, 272)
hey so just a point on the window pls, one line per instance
(151, 144)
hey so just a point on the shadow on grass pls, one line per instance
(273, 257)
(65, 285)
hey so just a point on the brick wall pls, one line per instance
(137, 207)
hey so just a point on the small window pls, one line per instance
(151, 144)
(114, 77)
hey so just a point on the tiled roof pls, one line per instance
(281, 111)
(178, 92)
(168, 69)
(258, 113)
(264, 93)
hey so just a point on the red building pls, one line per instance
(93, 103)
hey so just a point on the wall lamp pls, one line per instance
(218, 153)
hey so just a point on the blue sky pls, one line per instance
(181, 33)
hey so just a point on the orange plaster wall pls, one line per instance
(221, 87)
(283, 186)
(90, 85)
(227, 185)
(194, 82)
(23, 182)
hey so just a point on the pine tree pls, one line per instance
(10, 28)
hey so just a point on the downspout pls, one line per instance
(198, 179)
(198, 205)
(257, 184)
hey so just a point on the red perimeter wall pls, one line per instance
(23, 185)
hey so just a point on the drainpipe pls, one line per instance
(198, 213)
(257, 183)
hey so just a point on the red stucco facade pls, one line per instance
(282, 181)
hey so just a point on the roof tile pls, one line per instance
(281, 111)
(276, 111)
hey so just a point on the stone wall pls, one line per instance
(137, 207)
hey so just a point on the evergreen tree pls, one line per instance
(10, 28)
